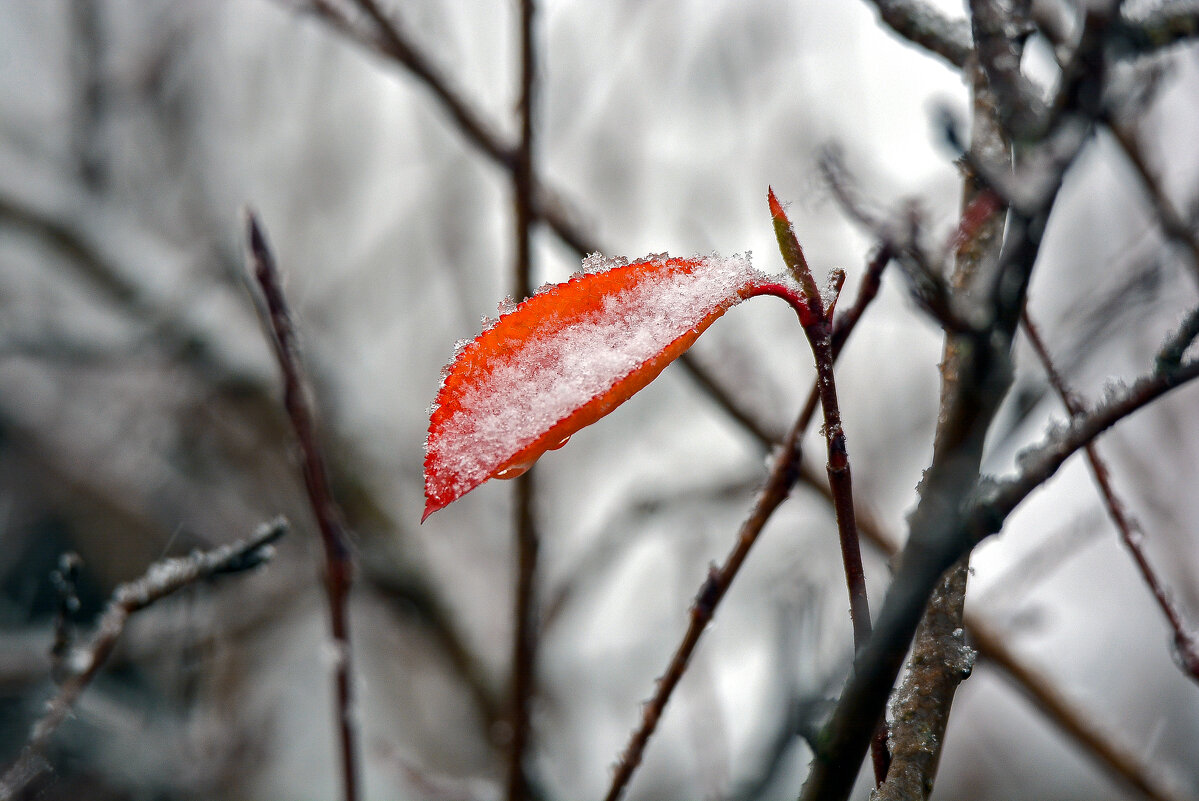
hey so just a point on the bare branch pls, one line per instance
(1042, 461)
(941, 531)
(160, 580)
(1051, 702)
(525, 634)
(1130, 531)
(1172, 223)
(929, 288)
(1169, 356)
(1000, 30)
(817, 325)
(338, 561)
(940, 660)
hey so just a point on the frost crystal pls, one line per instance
(1113, 391)
(598, 262)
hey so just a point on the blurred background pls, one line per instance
(140, 411)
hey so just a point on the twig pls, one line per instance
(160, 580)
(1042, 461)
(784, 472)
(928, 287)
(524, 646)
(925, 26)
(1169, 356)
(1172, 223)
(338, 562)
(817, 327)
(1130, 531)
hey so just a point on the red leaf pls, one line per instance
(566, 357)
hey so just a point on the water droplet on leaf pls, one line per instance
(515, 470)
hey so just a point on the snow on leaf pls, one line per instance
(566, 357)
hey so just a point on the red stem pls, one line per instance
(820, 336)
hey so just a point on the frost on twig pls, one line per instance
(83, 663)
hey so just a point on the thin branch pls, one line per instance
(338, 571)
(160, 580)
(65, 579)
(1053, 704)
(1169, 356)
(925, 26)
(784, 472)
(524, 630)
(996, 502)
(817, 326)
(1130, 531)
(929, 288)
(390, 39)
(1172, 223)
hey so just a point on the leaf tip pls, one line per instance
(776, 208)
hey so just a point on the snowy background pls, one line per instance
(139, 401)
